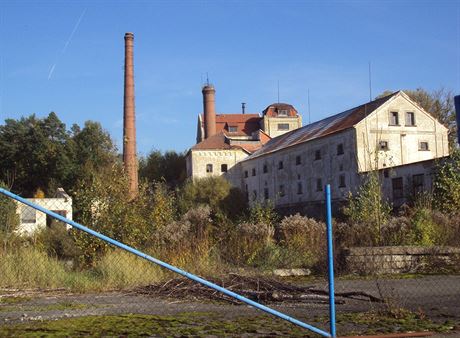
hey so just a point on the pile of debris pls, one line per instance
(259, 289)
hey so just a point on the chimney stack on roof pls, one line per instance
(209, 109)
(129, 119)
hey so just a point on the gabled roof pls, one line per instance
(246, 123)
(330, 125)
(223, 141)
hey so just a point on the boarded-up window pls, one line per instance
(28, 215)
(398, 189)
(283, 126)
(410, 119)
(394, 118)
(418, 183)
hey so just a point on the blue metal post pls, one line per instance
(330, 260)
(167, 266)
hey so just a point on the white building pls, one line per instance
(392, 134)
(225, 139)
(31, 220)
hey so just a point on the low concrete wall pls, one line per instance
(401, 259)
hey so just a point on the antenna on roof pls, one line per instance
(309, 113)
(278, 91)
(207, 79)
(370, 82)
(243, 107)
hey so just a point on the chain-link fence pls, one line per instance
(56, 278)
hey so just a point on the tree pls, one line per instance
(447, 184)
(34, 153)
(368, 207)
(169, 167)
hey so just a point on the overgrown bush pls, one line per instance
(57, 241)
(302, 239)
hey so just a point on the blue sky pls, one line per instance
(67, 57)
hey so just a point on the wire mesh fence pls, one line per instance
(49, 271)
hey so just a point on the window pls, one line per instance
(283, 126)
(246, 174)
(254, 195)
(209, 168)
(397, 184)
(299, 188)
(410, 119)
(319, 184)
(317, 154)
(342, 181)
(394, 118)
(223, 168)
(253, 171)
(232, 129)
(423, 146)
(340, 149)
(282, 192)
(266, 193)
(246, 187)
(383, 145)
(340, 167)
(386, 173)
(418, 184)
(265, 169)
(280, 165)
(298, 160)
(282, 112)
(28, 214)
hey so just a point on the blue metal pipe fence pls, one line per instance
(330, 260)
(187, 274)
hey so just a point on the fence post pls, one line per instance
(330, 260)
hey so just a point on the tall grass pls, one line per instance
(32, 268)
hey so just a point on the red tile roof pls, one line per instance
(245, 123)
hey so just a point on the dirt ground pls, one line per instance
(433, 298)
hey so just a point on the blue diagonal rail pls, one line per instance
(166, 265)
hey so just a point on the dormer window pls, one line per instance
(282, 112)
(232, 129)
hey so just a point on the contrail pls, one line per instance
(66, 44)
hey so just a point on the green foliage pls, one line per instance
(368, 207)
(57, 241)
(169, 167)
(41, 153)
(216, 192)
(9, 219)
(105, 206)
(447, 184)
(263, 214)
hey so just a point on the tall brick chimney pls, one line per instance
(129, 119)
(209, 109)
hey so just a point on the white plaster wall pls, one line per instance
(403, 140)
(328, 169)
(200, 158)
(271, 124)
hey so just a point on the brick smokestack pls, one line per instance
(129, 119)
(209, 108)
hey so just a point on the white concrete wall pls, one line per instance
(54, 204)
